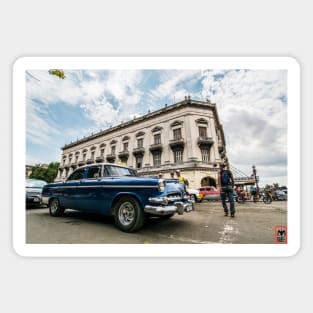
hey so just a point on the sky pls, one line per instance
(251, 104)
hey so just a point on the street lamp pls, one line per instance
(254, 174)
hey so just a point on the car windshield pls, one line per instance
(120, 171)
(35, 183)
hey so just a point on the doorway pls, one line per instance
(208, 181)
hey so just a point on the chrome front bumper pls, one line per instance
(177, 207)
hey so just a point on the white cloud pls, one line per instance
(169, 86)
(103, 114)
(251, 106)
(253, 115)
(123, 88)
(38, 128)
(51, 89)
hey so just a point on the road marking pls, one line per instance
(229, 232)
(185, 240)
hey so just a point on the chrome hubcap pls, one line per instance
(126, 213)
(54, 206)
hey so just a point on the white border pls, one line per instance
(164, 250)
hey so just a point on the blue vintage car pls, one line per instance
(116, 190)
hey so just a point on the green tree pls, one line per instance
(276, 185)
(56, 72)
(48, 174)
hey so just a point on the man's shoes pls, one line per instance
(232, 215)
(226, 214)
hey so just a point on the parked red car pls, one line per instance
(210, 193)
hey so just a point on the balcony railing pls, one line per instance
(179, 142)
(156, 146)
(73, 165)
(124, 154)
(139, 150)
(205, 141)
(100, 159)
(111, 157)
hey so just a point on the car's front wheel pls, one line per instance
(128, 214)
(54, 208)
(193, 198)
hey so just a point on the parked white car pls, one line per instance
(280, 195)
(195, 195)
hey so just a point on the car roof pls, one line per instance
(102, 163)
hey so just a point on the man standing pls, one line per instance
(226, 181)
(181, 179)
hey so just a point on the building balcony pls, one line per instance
(156, 147)
(139, 150)
(81, 163)
(111, 157)
(205, 141)
(177, 143)
(100, 159)
(67, 166)
(123, 154)
(222, 153)
(90, 161)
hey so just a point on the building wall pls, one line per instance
(187, 115)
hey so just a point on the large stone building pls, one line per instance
(186, 136)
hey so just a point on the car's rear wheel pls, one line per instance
(128, 214)
(54, 208)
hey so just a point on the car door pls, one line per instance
(71, 190)
(91, 191)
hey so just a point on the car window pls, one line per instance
(94, 172)
(119, 171)
(78, 174)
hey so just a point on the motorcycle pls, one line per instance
(242, 197)
(267, 197)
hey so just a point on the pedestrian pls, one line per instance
(172, 174)
(160, 175)
(181, 179)
(226, 181)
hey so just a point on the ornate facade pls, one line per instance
(186, 135)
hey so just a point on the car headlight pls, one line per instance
(161, 186)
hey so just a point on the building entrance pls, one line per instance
(208, 181)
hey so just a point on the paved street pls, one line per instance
(254, 223)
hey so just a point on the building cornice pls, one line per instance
(183, 104)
